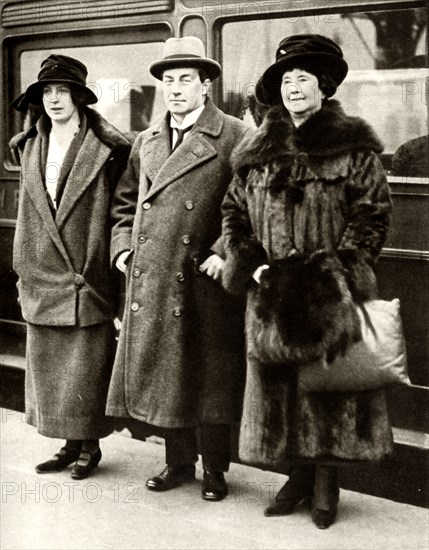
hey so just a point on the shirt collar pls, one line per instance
(190, 119)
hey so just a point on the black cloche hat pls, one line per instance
(60, 68)
(325, 54)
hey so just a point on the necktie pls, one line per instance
(180, 135)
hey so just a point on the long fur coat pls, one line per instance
(313, 203)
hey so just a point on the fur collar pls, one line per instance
(327, 133)
(104, 131)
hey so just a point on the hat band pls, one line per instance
(182, 56)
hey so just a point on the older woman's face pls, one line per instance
(58, 102)
(300, 93)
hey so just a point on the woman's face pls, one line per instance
(57, 102)
(300, 93)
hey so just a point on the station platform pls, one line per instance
(113, 509)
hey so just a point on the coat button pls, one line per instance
(79, 281)
(146, 205)
(302, 158)
(135, 306)
(180, 277)
(136, 272)
(142, 238)
(177, 312)
(186, 239)
(189, 205)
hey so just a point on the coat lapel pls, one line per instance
(89, 161)
(163, 168)
(156, 150)
(33, 183)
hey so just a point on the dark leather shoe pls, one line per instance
(171, 476)
(214, 485)
(298, 489)
(323, 518)
(285, 507)
(61, 460)
(85, 464)
(326, 497)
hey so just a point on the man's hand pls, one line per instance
(213, 267)
(257, 274)
(121, 262)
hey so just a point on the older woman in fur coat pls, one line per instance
(304, 222)
(70, 161)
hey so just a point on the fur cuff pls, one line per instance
(240, 264)
(360, 275)
(309, 299)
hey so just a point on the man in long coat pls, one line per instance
(180, 357)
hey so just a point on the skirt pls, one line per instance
(67, 379)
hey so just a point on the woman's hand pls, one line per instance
(213, 267)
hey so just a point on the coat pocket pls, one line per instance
(52, 306)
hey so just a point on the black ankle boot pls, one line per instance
(297, 489)
(326, 496)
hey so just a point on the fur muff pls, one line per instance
(303, 310)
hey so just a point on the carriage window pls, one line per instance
(386, 84)
(128, 96)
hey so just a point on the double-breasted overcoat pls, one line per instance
(68, 293)
(180, 358)
(317, 191)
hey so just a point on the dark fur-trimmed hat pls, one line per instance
(64, 69)
(313, 50)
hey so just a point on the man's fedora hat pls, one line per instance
(63, 69)
(321, 52)
(185, 52)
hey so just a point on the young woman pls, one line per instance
(70, 162)
(309, 188)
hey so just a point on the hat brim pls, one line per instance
(211, 67)
(268, 88)
(34, 93)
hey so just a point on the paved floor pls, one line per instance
(113, 509)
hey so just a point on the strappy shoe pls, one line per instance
(61, 460)
(85, 464)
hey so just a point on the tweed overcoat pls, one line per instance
(68, 293)
(63, 264)
(180, 358)
(318, 191)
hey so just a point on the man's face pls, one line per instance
(183, 91)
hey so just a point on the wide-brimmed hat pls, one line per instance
(185, 52)
(61, 68)
(319, 51)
